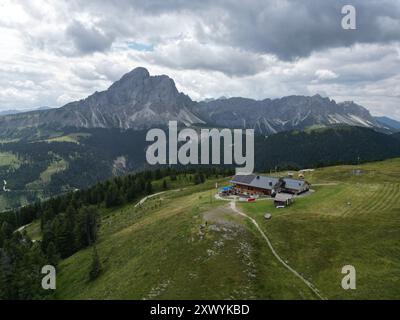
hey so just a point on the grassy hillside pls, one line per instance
(354, 220)
(186, 245)
(165, 250)
(8, 159)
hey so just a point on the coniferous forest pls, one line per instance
(69, 223)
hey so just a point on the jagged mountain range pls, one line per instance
(140, 101)
(287, 113)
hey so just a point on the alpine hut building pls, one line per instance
(267, 186)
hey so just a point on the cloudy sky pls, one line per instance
(53, 52)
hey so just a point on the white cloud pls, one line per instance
(325, 74)
(53, 52)
(192, 55)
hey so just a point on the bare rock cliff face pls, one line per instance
(287, 113)
(136, 101)
(141, 101)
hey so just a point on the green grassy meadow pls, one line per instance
(185, 244)
(72, 138)
(8, 159)
(355, 221)
(161, 251)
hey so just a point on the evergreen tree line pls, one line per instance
(111, 193)
(21, 262)
(70, 223)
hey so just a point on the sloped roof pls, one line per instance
(243, 179)
(257, 181)
(266, 182)
(294, 184)
(283, 197)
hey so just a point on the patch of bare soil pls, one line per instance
(221, 216)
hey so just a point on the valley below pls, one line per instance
(44, 162)
(49, 152)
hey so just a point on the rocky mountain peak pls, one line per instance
(140, 101)
(136, 75)
(137, 101)
(139, 72)
(138, 85)
(130, 80)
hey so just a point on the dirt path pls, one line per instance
(155, 195)
(20, 229)
(308, 283)
(148, 197)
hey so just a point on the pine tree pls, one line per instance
(131, 193)
(149, 187)
(141, 184)
(52, 256)
(79, 231)
(47, 235)
(157, 174)
(7, 274)
(46, 217)
(113, 196)
(95, 268)
(92, 224)
(64, 237)
(6, 230)
(197, 179)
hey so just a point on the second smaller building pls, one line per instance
(283, 200)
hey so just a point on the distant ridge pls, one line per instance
(8, 112)
(388, 123)
(293, 112)
(140, 101)
(15, 111)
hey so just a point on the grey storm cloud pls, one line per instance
(54, 52)
(193, 55)
(298, 28)
(89, 39)
(289, 29)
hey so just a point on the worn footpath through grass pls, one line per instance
(356, 222)
(179, 245)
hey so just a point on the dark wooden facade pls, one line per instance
(252, 191)
(263, 185)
